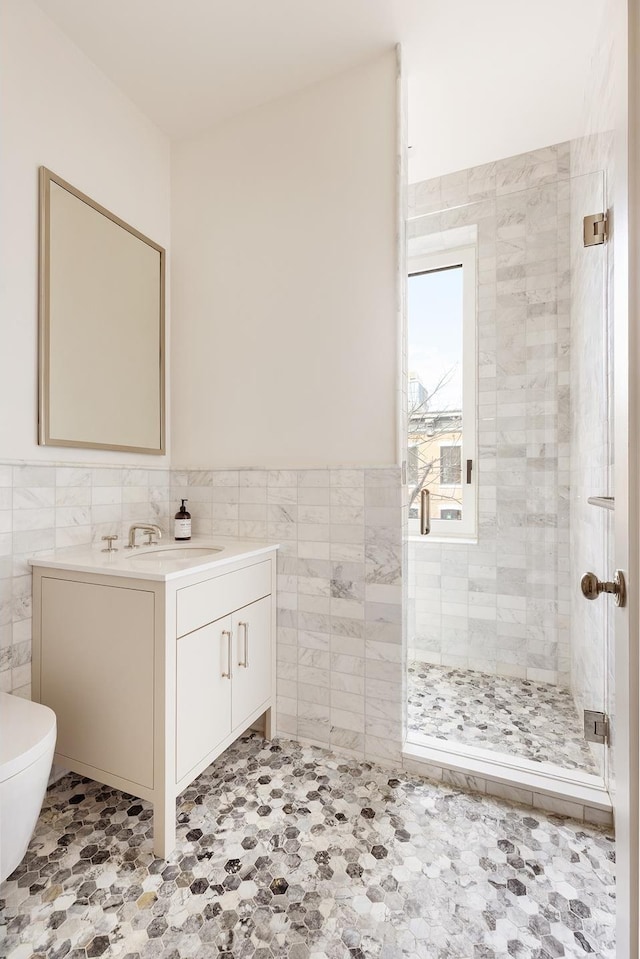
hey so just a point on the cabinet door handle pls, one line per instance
(245, 626)
(229, 635)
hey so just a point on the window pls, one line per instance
(450, 465)
(442, 401)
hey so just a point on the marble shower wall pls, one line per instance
(52, 505)
(501, 605)
(339, 643)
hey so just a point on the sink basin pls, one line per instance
(176, 553)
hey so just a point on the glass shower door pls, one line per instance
(504, 653)
(591, 461)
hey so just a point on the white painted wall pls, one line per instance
(285, 347)
(58, 110)
(495, 79)
(486, 80)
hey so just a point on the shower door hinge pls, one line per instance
(595, 229)
(596, 727)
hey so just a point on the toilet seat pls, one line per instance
(27, 732)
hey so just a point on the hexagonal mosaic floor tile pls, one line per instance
(536, 721)
(287, 851)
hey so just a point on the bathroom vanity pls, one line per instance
(154, 661)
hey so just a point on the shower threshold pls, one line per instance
(565, 792)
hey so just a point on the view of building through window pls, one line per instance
(434, 461)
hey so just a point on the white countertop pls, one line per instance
(147, 562)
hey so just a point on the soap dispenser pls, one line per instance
(183, 523)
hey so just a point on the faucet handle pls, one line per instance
(110, 548)
(150, 541)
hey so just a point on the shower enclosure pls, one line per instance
(508, 440)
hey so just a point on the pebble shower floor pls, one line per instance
(289, 851)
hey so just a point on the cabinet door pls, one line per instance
(96, 671)
(252, 660)
(203, 694)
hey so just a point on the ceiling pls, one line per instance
(482, 75)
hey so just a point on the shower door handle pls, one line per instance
(425, 512)
(592, 587)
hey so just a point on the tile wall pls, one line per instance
(502, 605)
(339, 645)
(53, 505)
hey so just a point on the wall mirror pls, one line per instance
(101, 321)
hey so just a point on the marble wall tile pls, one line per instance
(339, 643)
(47, 506)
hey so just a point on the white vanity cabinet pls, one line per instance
(153, 673)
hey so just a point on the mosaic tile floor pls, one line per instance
(533, 720)
(285, 851)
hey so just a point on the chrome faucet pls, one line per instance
(149, 528)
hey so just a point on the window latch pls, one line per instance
(469, 471)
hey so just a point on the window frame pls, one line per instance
(465, 257)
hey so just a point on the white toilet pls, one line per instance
(27, 742)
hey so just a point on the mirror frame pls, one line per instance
(44, 320)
